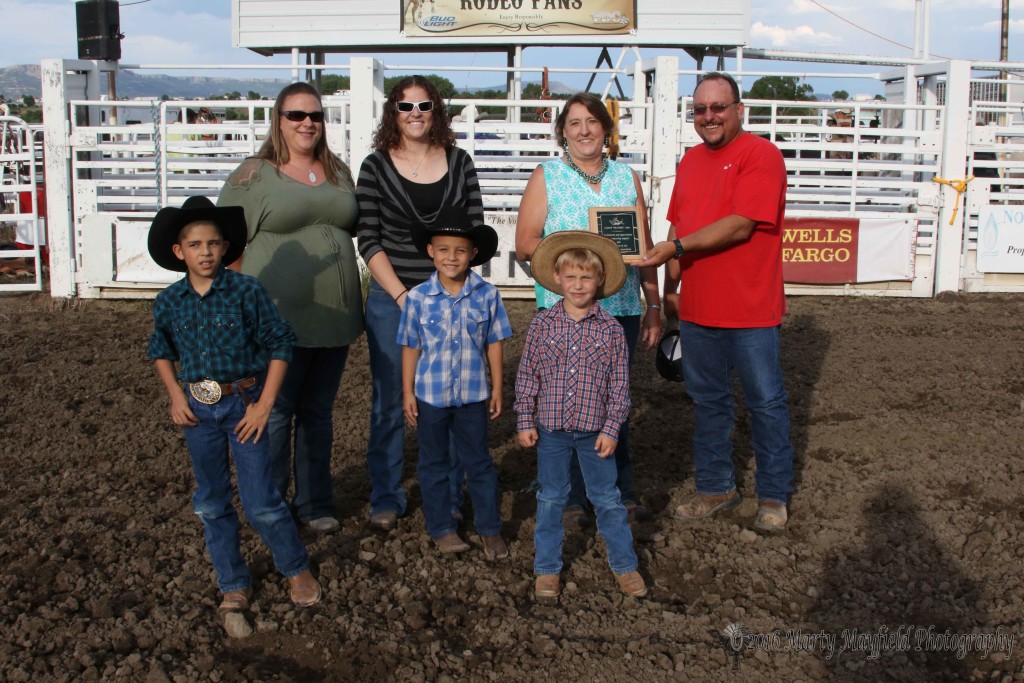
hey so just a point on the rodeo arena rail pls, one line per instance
(915, 195)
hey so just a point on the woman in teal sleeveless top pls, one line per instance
(558, 197)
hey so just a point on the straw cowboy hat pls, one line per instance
(542, 265)
(169, 221)
(455, 221)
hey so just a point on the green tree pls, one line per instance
(780, 88)
(253, 95)
(28, 101)
(788, 88)
(532, 91)
(840, 95)
(879, 98)
(443, 85)
(332, 83)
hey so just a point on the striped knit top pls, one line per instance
(387, 215)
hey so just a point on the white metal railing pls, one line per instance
(20, 176)
(122, 173)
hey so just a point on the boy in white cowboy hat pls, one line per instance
(451, 327)
(572, 393)
(232, 348)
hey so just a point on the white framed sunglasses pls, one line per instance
(406, 107)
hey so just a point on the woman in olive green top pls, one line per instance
(300, 210)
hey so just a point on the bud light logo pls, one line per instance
(437, 21)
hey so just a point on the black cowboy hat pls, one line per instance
(169, 221)
(455, 221)
(669, 361)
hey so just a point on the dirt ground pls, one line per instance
(902, 560)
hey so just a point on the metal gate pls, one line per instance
(20, 194)
(859, 160)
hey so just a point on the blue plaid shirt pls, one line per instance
(452, 333)
(230, 333)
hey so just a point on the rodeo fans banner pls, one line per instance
(832, 251)
(517, 17)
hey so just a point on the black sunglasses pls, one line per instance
(700, 109)
(425, 105)
(297, 115)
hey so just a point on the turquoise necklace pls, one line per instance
(592, 179)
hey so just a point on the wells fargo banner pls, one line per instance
(830, 251)
(512, 18)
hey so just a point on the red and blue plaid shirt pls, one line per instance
(574, 374)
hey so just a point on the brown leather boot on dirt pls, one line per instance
(495, 547)
(451, 543)
(547, 586)
(705, 507)
(632, 584)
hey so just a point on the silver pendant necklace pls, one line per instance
(415, 170)
(311, 174)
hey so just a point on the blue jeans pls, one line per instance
(709, 356)
(456, 479)
(554, 451)
(264, 507)
(436, 429)
(384, 453)
(623, 464)
(302, 425)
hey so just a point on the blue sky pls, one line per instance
(199, 31)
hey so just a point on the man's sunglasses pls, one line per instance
(700, 109)
(297, 115)
(425, 105)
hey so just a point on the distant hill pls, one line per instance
(24, 79)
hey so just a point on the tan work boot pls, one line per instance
(771, 516)
(632, 584)
(702, 506)
(495, 547)
(304, 590)
(451, 543)
(547, 586)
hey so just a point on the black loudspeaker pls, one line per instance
(99, 29)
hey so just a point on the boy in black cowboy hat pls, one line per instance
(451, 327)
(232, 348)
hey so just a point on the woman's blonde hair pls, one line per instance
(275, 150)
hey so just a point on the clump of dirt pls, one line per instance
(901, 561)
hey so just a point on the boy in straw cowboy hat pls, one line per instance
(232, 348)
(572, 393)
(451, 329)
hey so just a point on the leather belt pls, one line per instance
(209, 392)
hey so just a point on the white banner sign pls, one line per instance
(504, 269)
(1001, 239)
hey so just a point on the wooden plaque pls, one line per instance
(623, 225)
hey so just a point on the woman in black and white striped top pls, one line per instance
(414, 172)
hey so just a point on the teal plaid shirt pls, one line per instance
(230, 333)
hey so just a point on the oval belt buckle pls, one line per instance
(206, 391)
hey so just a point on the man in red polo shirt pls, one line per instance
(726, 210)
